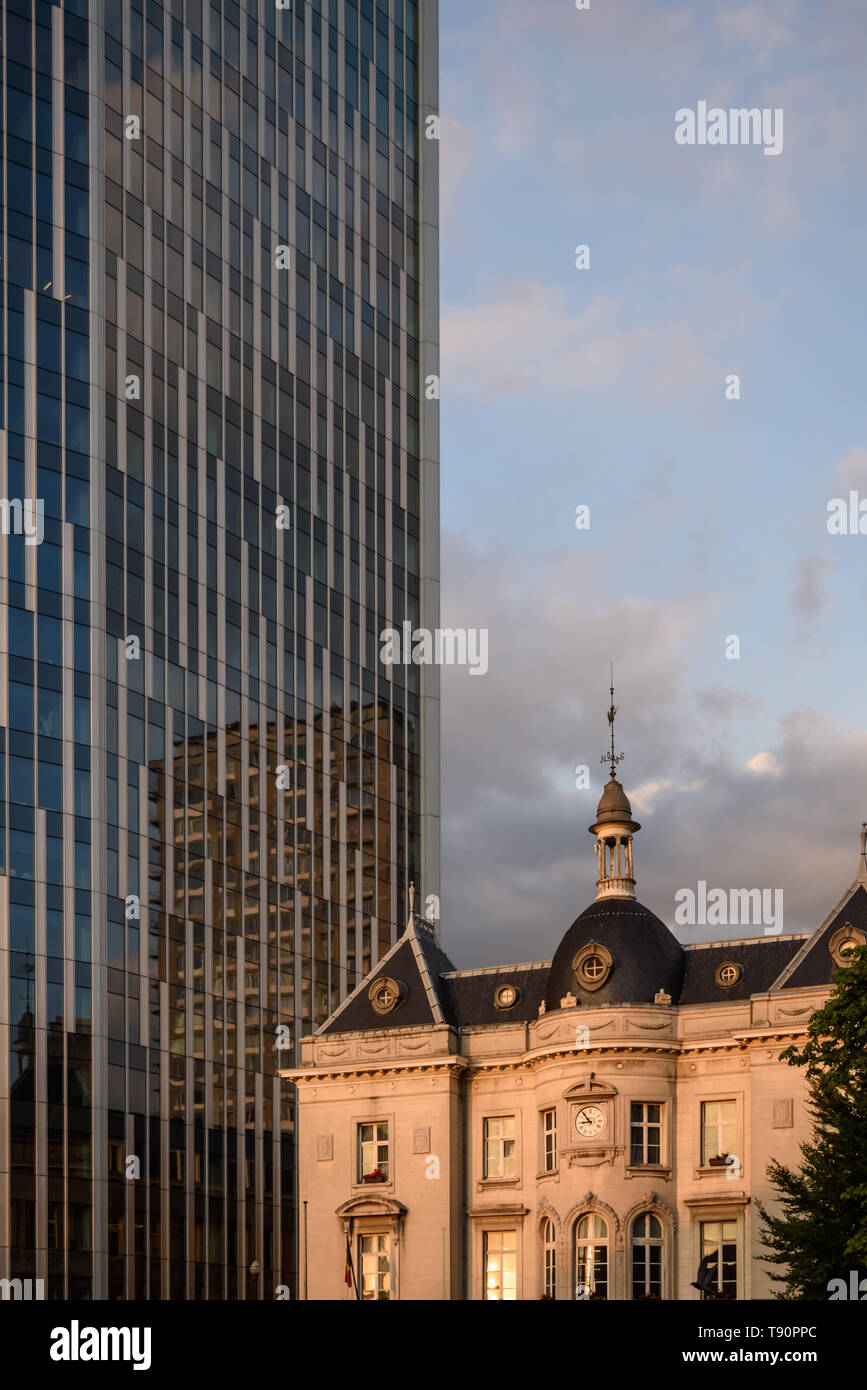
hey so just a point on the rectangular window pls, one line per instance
(549, 1138)
(645, 1138)
(373, 1151)
(374, 1266)
(718, 1126)
(501, 1266)
(501, 1159)
(719, 1257)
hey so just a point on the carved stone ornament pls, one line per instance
(385, 994)
(592, 965)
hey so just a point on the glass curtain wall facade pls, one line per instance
(218, 315)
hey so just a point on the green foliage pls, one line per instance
(821, 1230)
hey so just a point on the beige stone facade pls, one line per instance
(463, 1134)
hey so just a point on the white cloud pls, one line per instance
(850, 472)
(765, 765)
(645, 797)
(527, 338)
(457, 161)
(763, 28)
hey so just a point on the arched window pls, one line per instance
(591, 1257)
(549, 1259)
(647, 1256)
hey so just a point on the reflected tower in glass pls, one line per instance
(218, 313)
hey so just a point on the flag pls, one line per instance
(349, 1272)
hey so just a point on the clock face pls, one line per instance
(590, 1121)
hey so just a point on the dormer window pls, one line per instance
(592, 965)
(385, 994)
(505, 997)
(844, 943)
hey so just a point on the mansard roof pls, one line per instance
(415, 962)
(646, 958)
(471, 994)
(814, 964)
(761, 959)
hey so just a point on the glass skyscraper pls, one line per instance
(218, 338)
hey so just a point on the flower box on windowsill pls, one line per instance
(375, 1176)
(719, 1161)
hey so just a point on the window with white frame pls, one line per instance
(647, 1243)
(374, 1267)
(501, 1266)
(549, 1259)
(501, 1157)
(591, 1257)
(373, 1151)
(549, 1140)
(718, 1129)
(645, 1132)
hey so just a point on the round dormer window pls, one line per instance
(385, 994)
(592, 965)
(844, 943)
(505, 997)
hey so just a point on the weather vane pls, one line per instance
(612, 757)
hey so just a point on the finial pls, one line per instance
(612, 757)
(862, 863)
(411, 899)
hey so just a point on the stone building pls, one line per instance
(597, 1125)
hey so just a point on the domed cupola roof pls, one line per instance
(616, 952)
(614, 806)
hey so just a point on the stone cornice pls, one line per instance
(331, 1072)
(457, 1064)
(718, 1199)
(776, 1031)
(501, 1211)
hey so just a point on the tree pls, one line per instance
(821, 1231)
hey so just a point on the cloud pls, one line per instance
(850, 472)
(518, 860)
(764, 765)
(645, 797)
(526, 338)
(457, 161)
(762, 29)
(809, 599)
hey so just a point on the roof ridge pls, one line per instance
(815, 937)
(744, 941)
(496, 969)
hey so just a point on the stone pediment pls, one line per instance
(370, 1205)
(591, 1088)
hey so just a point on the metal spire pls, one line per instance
(612, 757)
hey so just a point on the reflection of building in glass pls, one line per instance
(213, 796)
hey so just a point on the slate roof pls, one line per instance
(646, 956)
(415, 961)
(470, 993)
(762, 960)
(814, 964)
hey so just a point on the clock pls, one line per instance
(589, 1121)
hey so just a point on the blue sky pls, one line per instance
(606, 387)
